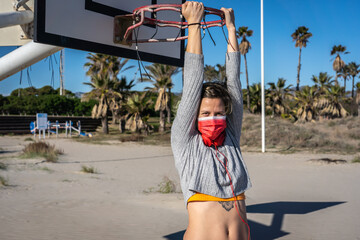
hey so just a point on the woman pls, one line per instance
(205, 140)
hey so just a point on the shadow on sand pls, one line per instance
(278, 209)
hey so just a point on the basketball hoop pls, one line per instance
(124, 25)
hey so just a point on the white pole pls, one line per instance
(62, 63)
(20, 3)
(24, 57)
(16, 18)
(262, 80)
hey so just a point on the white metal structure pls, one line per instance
(15, 15)
(262, 81)
(89, 25)
(16, 18)
(24, 57)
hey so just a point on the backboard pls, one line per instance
(89, 24)
(14, 35)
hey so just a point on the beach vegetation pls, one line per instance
(46, 169)
(3, 181)
(338, 63)
(277, 97)
(88, 169)
(30, 102)
(244, 47)
(356, 159)
(3, 166)
(137, 106)
(301, 38)
(41, 149)
(29, 139)
(167, 186)
(103, 71)
(160, 75)
(354, 70)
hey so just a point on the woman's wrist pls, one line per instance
(231, 29)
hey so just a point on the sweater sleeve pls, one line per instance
(183, 128)
(234, 88)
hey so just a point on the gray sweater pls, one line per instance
(197, 165)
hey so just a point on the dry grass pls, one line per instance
(41, 149)
(335, 136)
(325, 136)
(3, 166)
(165, 186)
(356, 159)
(3, 182)
(90, 169)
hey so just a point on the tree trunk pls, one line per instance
(345, 85)
(352, 87)
(113, 113)
(336, 77)
(162, 121)
(247, 84)
(298, 72)
(168, 108)
(104, 124)
(121, 124)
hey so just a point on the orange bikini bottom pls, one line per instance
(200, 197)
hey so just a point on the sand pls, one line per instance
(291, 197)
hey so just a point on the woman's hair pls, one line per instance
(217, 90)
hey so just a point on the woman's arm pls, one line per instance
(230, 24)
(193, 13)
(233, 75)
(184, 124)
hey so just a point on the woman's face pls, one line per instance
(211, 107)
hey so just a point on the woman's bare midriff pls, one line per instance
(216, 221)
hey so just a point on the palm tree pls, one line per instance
(221, 73)
(136, 105)
(212, 74)
(357, 99)
(331, 104)
(354, 70)
(160, 76)
(255, 100)
(322, 81)
(305, 100)
(103, 70)
(277, 95)
(301, 37)
(101, 90)
(344, 73)
(245, 46)
(338, 63)
(117, 105)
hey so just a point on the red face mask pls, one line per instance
(212, 130)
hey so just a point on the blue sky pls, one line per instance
(331, 22)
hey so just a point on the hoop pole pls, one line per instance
(24, 57)
(16, 18)
(262, 80)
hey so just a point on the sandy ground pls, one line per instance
(290, 199)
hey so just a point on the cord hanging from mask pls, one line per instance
(224, 164)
